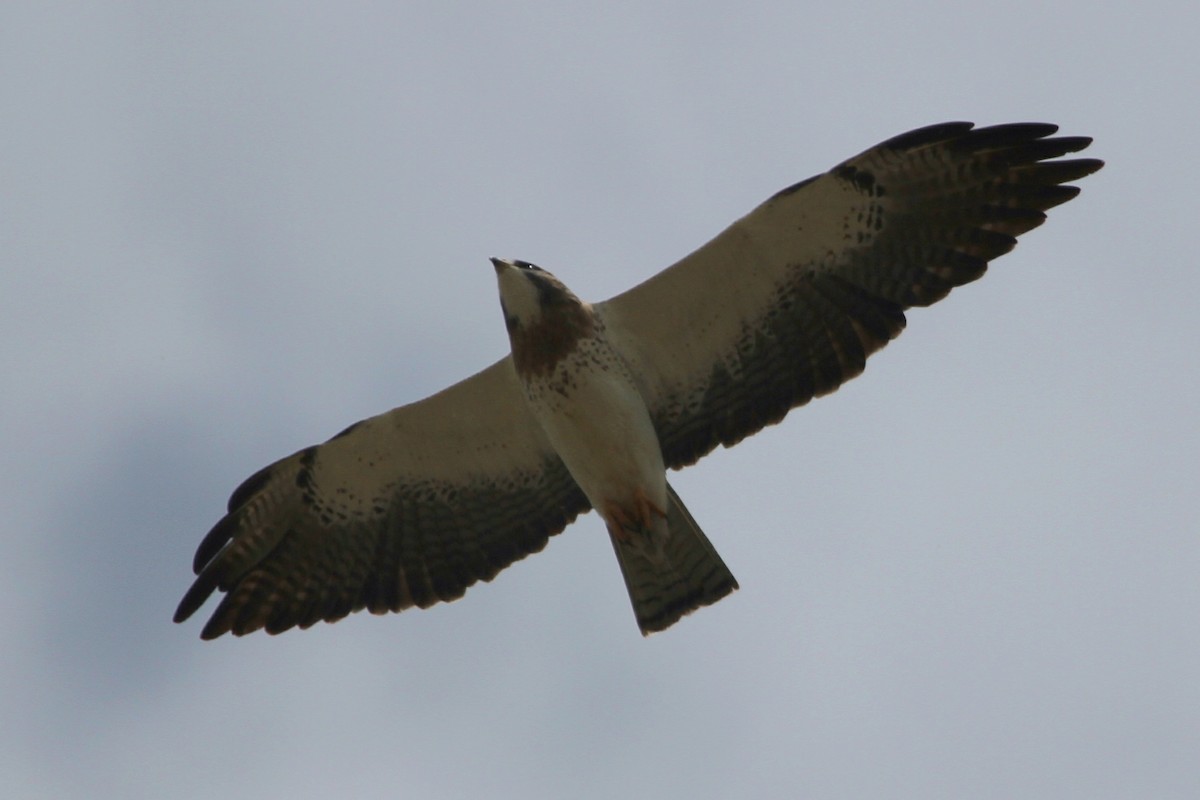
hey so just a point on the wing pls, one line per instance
(408, 508)
(787, 303)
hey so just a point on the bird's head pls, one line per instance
(545, 319)
(530, 296)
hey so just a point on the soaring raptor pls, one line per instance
(597, 401)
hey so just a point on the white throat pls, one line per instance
(519, 295)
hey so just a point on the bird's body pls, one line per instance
(611, 451)
(597, 401)
(579, 388)
(587, 401)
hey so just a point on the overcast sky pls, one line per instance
(229, 230)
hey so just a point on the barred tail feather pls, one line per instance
(686, 575)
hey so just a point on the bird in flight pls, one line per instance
(596, 402)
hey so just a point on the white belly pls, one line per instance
(597, 421)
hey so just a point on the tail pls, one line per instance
(682, 575)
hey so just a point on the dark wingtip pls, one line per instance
(1084, 166)
(249, 487)
(195, 597)
(209, 633)
(212, 543)
(218, 624)
(1009, 132)
(928, 134)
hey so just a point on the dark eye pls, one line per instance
(527, 265)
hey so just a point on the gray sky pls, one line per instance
(229, 230)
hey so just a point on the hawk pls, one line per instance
(597, 401)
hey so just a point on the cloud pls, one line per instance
(233, 231)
